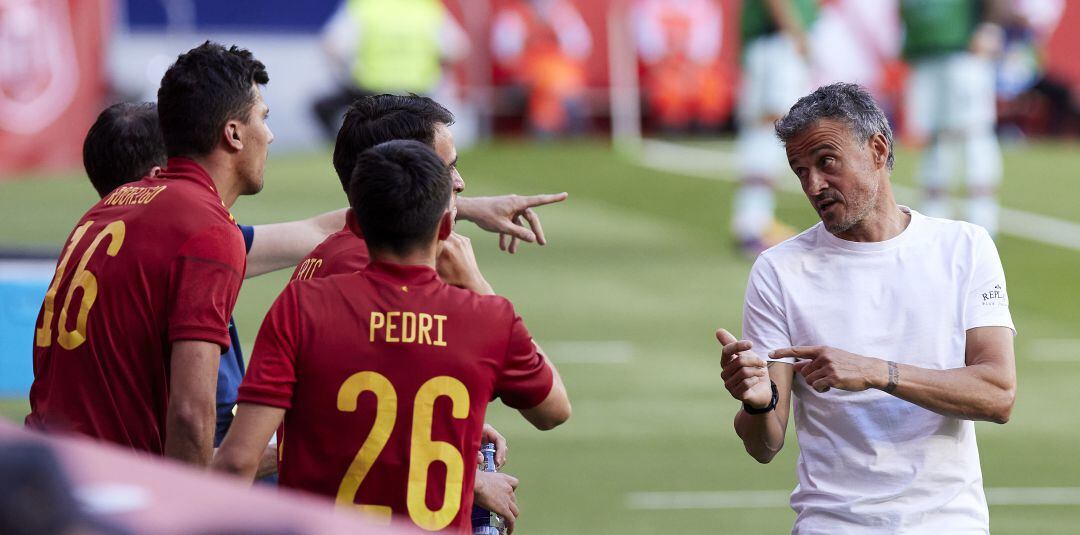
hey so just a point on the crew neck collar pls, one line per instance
(190, 169)
(891, 243)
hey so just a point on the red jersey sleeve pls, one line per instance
(271, 373)
(205, 280)
(525, 379)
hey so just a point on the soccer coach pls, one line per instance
(890, 329)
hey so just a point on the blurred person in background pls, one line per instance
(951, 105)
(776, 53)
(396, 47)
(678, 43)
(544, 45)
(1032, 99)
(858, 41)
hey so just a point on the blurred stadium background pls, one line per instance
(640, 268)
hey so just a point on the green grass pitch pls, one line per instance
(643, 259)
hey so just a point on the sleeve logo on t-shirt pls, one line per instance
(996, 296)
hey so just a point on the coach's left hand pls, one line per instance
(826, 367)
(503, 214)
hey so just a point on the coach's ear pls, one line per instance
(879, 145)
(446, 225)
(154, 171)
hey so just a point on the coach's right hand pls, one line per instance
(745, 375)
(494, 491)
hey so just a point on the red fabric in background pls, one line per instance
(51, 80)
(1063, 59)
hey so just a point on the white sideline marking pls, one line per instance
(1054, 350)
(761, 499)
(707, 163)
(590, 352)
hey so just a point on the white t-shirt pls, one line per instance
(871, 462)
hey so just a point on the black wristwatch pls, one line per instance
(763, 410)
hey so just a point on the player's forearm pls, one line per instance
(975, 392)
(477, 283)
(239, 463)
(466, 209)
(268, 465)
(282, 245)
(762, 434)
(189, 432)
(555, 409)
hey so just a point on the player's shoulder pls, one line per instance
(320, 287)
(486, 306)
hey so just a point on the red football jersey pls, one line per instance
(386, 375)
(154, 262)
(341, 252)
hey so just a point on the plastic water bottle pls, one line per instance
(485, 522)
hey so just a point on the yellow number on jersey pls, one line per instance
(83, 279)
(424, 450)
(385, 416)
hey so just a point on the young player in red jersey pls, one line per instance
(376, 119)
(383, 376)
(132, 327)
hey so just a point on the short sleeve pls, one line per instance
(205, 279)
(987, 300)
(525, 379)
(271, 373)
(248, 232)
(764, 321)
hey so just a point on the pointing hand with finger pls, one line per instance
(825, 367)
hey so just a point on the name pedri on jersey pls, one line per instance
(386, 375)
(153, 262)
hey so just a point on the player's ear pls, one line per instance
(154, 171)
(232, 135)
(446, 225)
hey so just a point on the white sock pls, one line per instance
(754, 206)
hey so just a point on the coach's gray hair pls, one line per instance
(850, 103)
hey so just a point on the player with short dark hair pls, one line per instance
(134, 322)
(376, 119)
(123, 145)
(380, 118)
(424, 360)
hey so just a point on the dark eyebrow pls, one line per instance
(821, 146)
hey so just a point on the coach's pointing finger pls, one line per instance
(796, 352)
